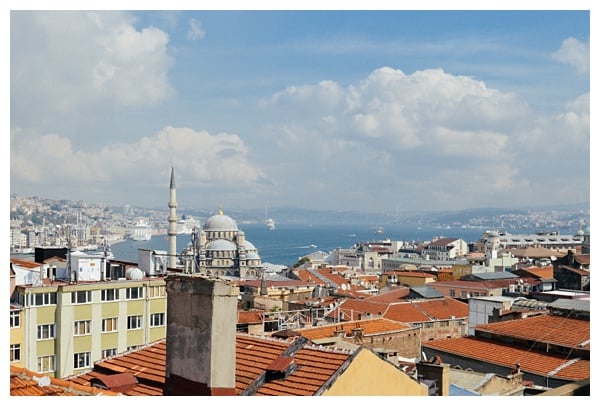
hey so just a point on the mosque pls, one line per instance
(218, 249)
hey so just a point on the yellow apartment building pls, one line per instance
(60, 328)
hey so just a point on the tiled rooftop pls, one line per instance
(369, 327)
(250, 317)
(24, 263)
(27, 383)
(557, 330)
(540, 272)
(420, 311)
(316, 365)
(540, 363)
(396, 294)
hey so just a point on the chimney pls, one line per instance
(201, 334)
(438, 371)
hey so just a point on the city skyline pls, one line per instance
(316, 109)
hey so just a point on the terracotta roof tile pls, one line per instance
(353, 308)
(582, 272)
(419, 311)
(442, 242)
(28, 383)
(254, 354)
(395, 295)
(332, 276)
(583, 259)
(406, 313)
(369, 327)
(539, 272)
(443, 309)
(250, 316)
(550, 329)
(531, 361)
(24, 263)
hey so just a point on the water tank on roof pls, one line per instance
(135, 274)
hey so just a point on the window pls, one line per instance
(157, 319)
(109, 295)
(156, 291)
(82, 296)
(134, 322)
(109, 352)
(109, 325)
(82, 327)
(133, 347)
(15, 318)
(452, 293)
(428, 324)
(44, 299)
(46, 364)
(15, 352)
(45, 331)
(134, 293)
(81, 360)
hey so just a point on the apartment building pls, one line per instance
(61, 325)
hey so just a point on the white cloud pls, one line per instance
(463, 141)
(213, 161)
(575, 53)
(66, 62)
(195, 31)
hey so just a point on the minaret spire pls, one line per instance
(172, 222)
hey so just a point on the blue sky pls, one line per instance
(367, 110)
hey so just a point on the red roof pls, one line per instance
(396, 294)
(556, 330)
(24, 382)
(250, 317)
(420, 311)
(254, 355)
(369, 327)
(540, 363)
(24, 263)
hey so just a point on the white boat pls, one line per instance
(185, 225)
(379, 230)
(141, 231)
(269, 222)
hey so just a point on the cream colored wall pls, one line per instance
(414, 280)
(369, 375)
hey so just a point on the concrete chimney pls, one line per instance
(437, 371)
(201, 334)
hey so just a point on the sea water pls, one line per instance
(286, 244)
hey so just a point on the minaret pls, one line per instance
(172, 222)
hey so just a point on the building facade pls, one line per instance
(62, 328)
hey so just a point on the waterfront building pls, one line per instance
(494, 241)
(444, 249)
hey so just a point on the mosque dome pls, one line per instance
(221, 245)
(252, 255)
(249, 246)
(220, 222)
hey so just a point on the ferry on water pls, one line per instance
(141, 230)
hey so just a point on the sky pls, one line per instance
(370, 110)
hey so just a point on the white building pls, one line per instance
(444, 249)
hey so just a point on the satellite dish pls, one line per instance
(344, 287)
